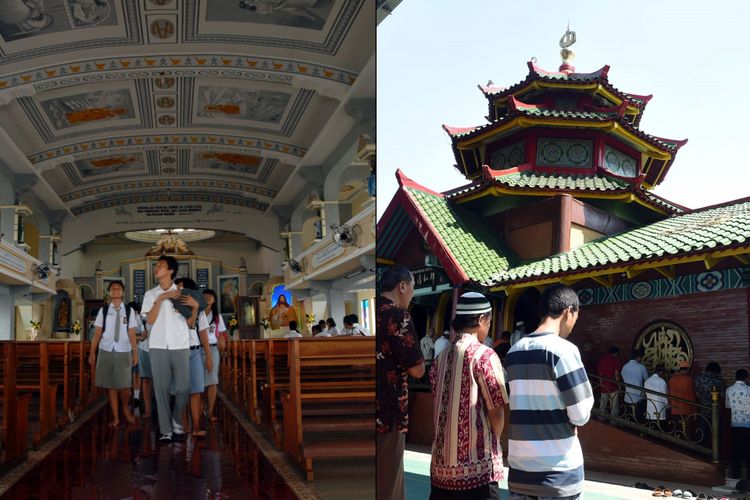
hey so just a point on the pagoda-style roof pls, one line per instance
(708, 230)
(468, 250)
(461, 135)
(524, 180)
(538, 76)
(471, 252)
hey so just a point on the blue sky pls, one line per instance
(694, 57)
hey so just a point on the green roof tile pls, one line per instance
(691, 232)
(476, 248)
(562, 181)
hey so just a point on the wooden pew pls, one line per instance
(345, 402)
(15, 411)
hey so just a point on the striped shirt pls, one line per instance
(467, 380)
(550, 395)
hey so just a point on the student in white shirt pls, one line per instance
(293, 333)
(332, 327)
(199, 364)
(323, 327)
(140, 336)
(169, 346)
(656, 405)
(356, 328)
(217, 333)
(115, 338)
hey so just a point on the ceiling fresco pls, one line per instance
(118, 101)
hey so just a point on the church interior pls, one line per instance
(238, 138)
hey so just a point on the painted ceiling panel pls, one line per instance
(215, 100)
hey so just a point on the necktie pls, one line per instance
(117, 326)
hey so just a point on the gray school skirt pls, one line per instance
(113, 370)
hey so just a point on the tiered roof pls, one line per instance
(592, 104)
(481, 257)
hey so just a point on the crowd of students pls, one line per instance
(169, 345)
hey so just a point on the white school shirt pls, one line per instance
(202, 325)
(334, 331)
(107, 342)
(170, 330)
(656, 406)
(292, 334)
(212, 330)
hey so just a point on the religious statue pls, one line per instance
(63, 314)
(243, 263)
(171, 244)
(249, 314)
(282, 313)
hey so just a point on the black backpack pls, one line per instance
(105, 309)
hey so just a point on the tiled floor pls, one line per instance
(128, 462)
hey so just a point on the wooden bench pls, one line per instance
(325, 397)
(15, 411)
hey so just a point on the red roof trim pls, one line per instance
(600, 73)
(491, 174)
(677, 143)
(453, 131)
(644, 98)
(404, 181)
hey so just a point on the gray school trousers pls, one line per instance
(166, 365)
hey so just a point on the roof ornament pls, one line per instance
(567, 54)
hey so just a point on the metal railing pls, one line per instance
(695, 427)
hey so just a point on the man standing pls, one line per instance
(115, 337)
(467, 459)
(635, 373)
(550, 397)
(609, 367)
(656, 404)
(442, 343)
(398, 355)
(427, 344)
(705, 384)
(681, 385)
(169, 346)
(738, 400)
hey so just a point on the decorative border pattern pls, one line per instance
(145, 140)
(138, 67)
(162, 197)
(168, 183)
(710, 281)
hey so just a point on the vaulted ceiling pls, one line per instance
(111, 102)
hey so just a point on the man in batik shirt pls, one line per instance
(398, 355)
(468, 390)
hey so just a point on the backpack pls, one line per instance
(105, 309)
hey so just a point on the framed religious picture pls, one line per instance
(229, 287)
(282, 309)
(248, 316)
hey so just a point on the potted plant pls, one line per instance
(35, 326)
(75, 331)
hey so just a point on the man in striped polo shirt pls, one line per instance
(550, 397)
(468, 390)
